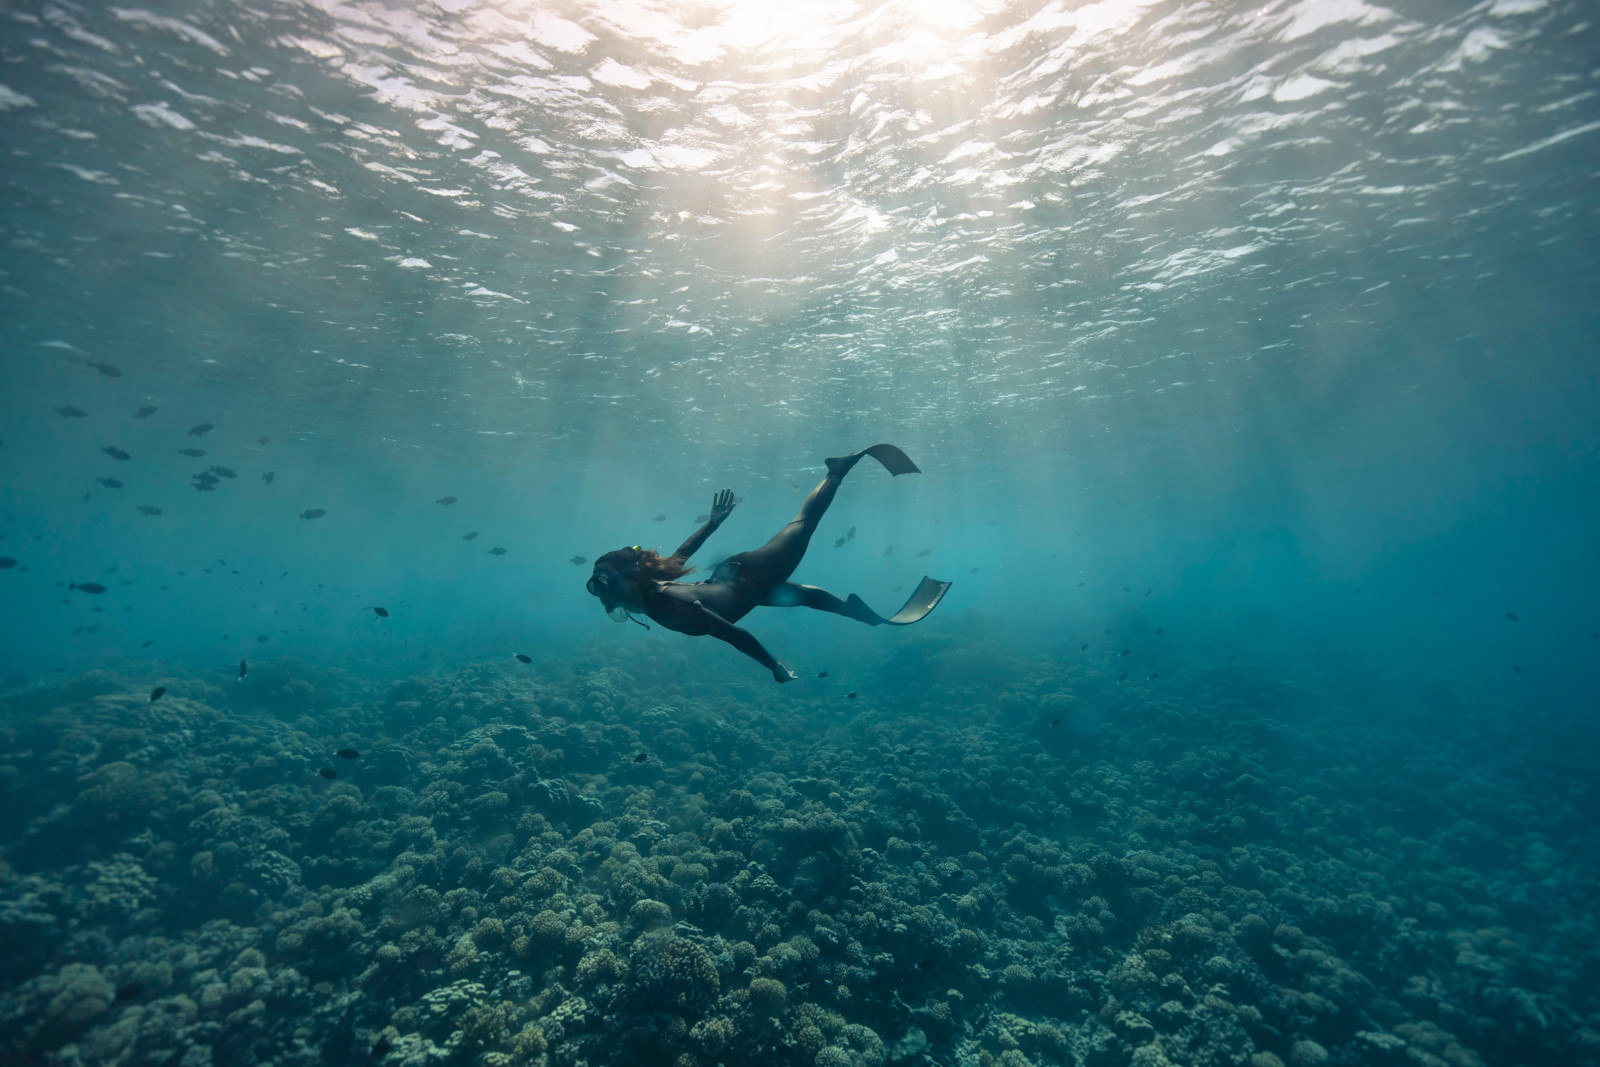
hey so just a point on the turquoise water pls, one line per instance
(1247, 353)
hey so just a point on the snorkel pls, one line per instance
(606, 582)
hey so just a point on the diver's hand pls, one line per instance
(721, 505)
(781, 674)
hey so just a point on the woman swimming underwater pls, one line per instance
(638, 581)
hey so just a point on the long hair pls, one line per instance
(652, 566)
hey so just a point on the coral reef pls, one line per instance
(597, 863)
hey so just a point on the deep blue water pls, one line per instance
(1268, 327)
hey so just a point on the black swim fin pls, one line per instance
(893, 459)
(924, 599)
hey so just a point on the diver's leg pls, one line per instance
(795, 595)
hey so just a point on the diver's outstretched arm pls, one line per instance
(744, 641)
(721, 507)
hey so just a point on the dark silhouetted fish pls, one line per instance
(1153, 677)
(69, 412)
(925, 552)
(267, 477)
(192, 453)
(1516, 668)
(1512, 617)
(147, 644)
(822, 674)
(850, 695)
(889, 550)
(850, 534)
(1055, 722)
(263, 440)
(329, 773)
(838, 542)
(149, 509)
(92, 588)
(6, 563)
(445, 500)
(109, 483)
(145, 412)
(898, 588)
(1083, 647)
(1152, 589)
(473, 536)
(973, 571)
(958, 873)
(157, 693)
(1082, 584)
(382, 613)
(1124, 677)
(348, 753)
(659, 518)
(312, 513)
(262, 638)
(224, 471)
(114, 452)
(641, 757)
(244, 668)
(201, 430)
(104, 368)
(204, 487)
(1124, 652)
(524, 658)
(497, 551)
(205, 478)
(1160, 630)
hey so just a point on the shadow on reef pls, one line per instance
(607, 864)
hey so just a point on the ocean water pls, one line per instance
(1248, 353)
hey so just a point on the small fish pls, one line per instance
(201, 430)
(262, 638)
(659, 518)
(1516, 668)
(147, 644)
(1055, 722)
(889, 551)
(822, 674)
(329, 773)
(267, 477)
(149, 509)
(850, 695)
(973, 571)
(497, 551)
(1155, 675)
(312, 513)
(130, 990)
(446, 500)
(69, 412)
(348, 753)
(850, 535)
(1160, 630)
(838, 542)
(382, 613)
(114, 452)
(1124, 677)
(157, 693)
(641, 757)
(1512, 617)
(898, 588)
(205, 478)
(473, 536)
(92, 588)
(145, 412)
(109, 483)
(925, 552)
(1125, 589)
(958, 873)
(1124, 652)
(523, 657)
(244, 668)
(192, 453)
(6, 563)
(263, 440)
(1082, 584)
(1147, 592)
(1355, 591)
(105, 368)
(203, 487)
(224, 471)
(1083, 647)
